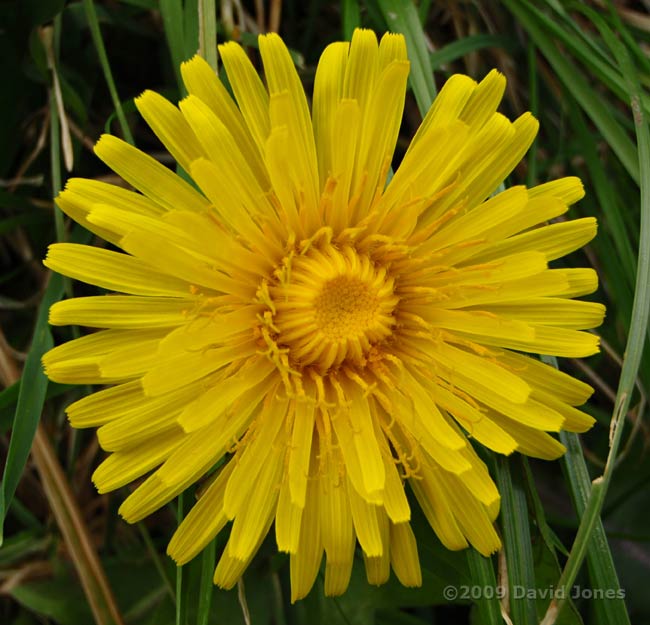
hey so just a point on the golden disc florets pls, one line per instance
(332, 307)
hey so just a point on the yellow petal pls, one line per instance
(300, 451)
(484, 100)
(305, 562)
(80, 195)
(241, 190)
(252, 97)
(230, 569)
(123, 467)
(328, 90)
(147, 175)
(381, 123)
(436, 507)
(476, 423)
(345, 136)
(366, 523)
(404, 555)
(547, 378)
(260, 451)
(569, 189)
(220, 398)
(531, 441)
(110, 270)
(228, 204)
(144, 418)
(130, 361)
(100, 407)
(574, 420)
(336, 517)
(288, 517)
(203, 448)
(121, 311)
(465, 368)
(170, 127)
(281, 77)
(202, 81)
(471, 516)
(378, 567)
(446, 108)
(362, 66)
(187, 366)
(251, 520)
(203, 522)
(552, 311)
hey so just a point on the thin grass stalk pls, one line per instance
(208, 32)
(93, 23)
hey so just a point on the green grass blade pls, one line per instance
(208, 32)
(155, 558)
(602, 572)
(458, 49)
(31, 396)
(516, 540)
(606, 195)
(572, 78)
(93, 23)
(402, 17)
(533, 99)
(172, 16)
(482, 575)
(424, 6)
(351, 17)
(206, 588)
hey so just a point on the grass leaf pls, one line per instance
(516, 539)
(31, 396)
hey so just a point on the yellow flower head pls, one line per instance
(319, 333)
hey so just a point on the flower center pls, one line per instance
(331, 307)
(345, 308)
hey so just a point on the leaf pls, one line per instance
(351, 17)
(516, 540)
(466, 45)
(31, 396)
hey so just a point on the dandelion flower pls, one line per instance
(318, 331)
